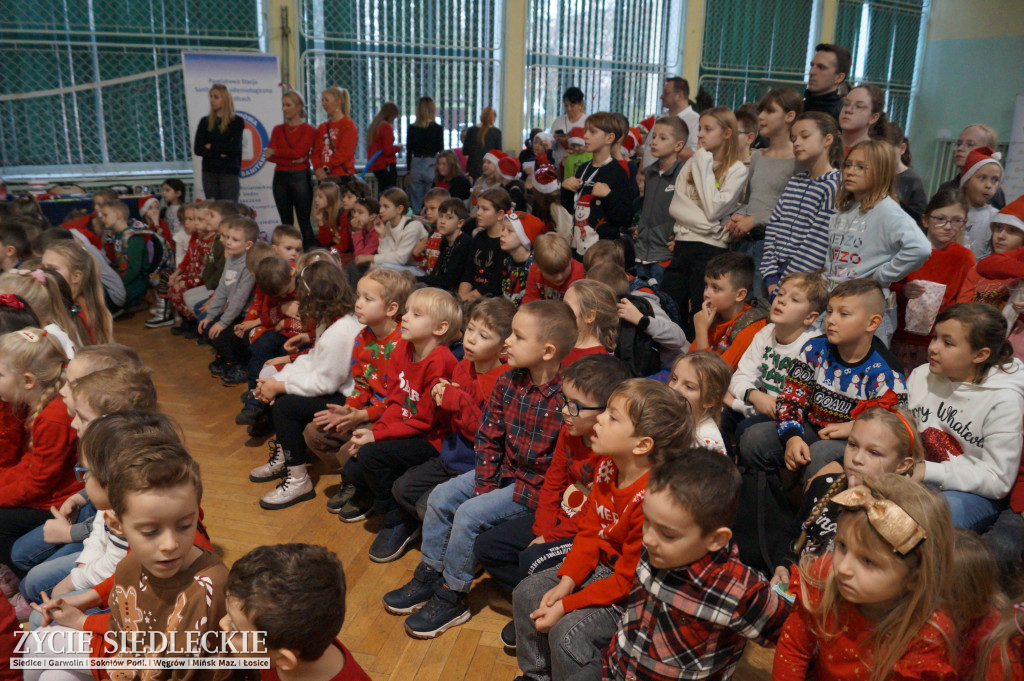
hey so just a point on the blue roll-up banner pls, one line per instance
(254, 82)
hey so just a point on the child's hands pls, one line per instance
(572, 184)
(61, 611)
(203, 324)
(739, 225)
(913, 289)
(215, 330)
(702, 320)
(379, 226)
(362, 436)
(295, 343)
(267, 389)
(205, 306)
(57, 530)
(267, 153)
(71, 505)
(417, 250)
(601, 190)
(764, 403)
(836, 431)
(671, 245)
(798, 454)
(781, 576)
(628, 312)
(544, 618)
(283, 359)
(538, 540)
(437, 392)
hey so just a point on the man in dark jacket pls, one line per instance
(829, 68)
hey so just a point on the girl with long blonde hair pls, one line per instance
(334, 147)
(219, 143)
(81, 272)
(41, 289)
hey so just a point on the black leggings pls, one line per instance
(292, 413)
(684, 278)
(293, 193)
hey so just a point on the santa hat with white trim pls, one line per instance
(527, 226)
(508, 167)
(647, 124)
(978, 157)
(576, 136)
(1012, 214)
(495, 156)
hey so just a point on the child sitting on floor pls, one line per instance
(597, 319)
(726, 323)
(703, 379)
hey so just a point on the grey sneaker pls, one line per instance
(288, 492)
(273, 468)
(338, 501)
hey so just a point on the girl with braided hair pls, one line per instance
(884, 439)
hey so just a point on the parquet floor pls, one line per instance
(237, 524)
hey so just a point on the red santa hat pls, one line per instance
(545, 179)
(527, 226)
(508, 167)
(647, 124)
(495, 156)
(576, 136)
(1012, 214)
(632, 141)
(978, 157)
(147, 206)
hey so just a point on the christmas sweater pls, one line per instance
(764, 366)
(447, 269)
(566, 488)
(196, 255)
(409, 411)
(12, 428)
(599, 218)
(514, 277)
(428, 258)
(721, 338)
(334, 147)
(539, 288)
(337, 237)
(464, 401)
(267, 309)
(370, 364)
(803, 653)
(610, 532)
(821, 388)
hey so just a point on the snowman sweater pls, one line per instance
(821, 388)
(971, 431)
(599, 218)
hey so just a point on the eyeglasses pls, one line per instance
(956, 223)
(859, 167)
(574, 408)
(81, 473)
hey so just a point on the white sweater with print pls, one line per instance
(971, 431)
(327, 369)
(764, 366)
(701, 208)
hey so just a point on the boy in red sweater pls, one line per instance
(726, 323)
(463, 398)
(411, 428)
(553, 269)
(561, 632)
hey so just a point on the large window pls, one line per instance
(95, 86)
(381, 50)
(617, 51)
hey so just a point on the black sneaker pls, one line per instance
(249, 415)
(235, 375)
(359, 507)
(202, 340)
(190, 333)
(508, 635)
(411, 597)
(264, 426)
(446, 609)
(338, 501)
(248, 396)
(391, 543)
(217, 368)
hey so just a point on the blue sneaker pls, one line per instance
(392, 542)
(445, 610)
(411, 597)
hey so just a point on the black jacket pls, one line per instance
(828, 102)
(224, 156)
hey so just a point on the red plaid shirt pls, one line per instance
(517, 435)
(693, 622)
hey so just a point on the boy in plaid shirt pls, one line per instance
(693, 604)
(514, 446)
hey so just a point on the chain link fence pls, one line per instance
(618, 52)
(89, 88)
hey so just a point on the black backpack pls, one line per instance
(668, 304)
(637, 349)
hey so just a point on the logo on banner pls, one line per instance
(254, 140)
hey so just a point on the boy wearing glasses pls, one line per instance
(522, 546)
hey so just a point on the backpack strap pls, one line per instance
(758, 310)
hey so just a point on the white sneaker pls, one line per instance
(289, 491)
(273, 468)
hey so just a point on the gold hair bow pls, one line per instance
(894, 524)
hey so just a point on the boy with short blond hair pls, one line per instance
(655, 229)
(553, 270)
(693, 604)
(832, 377)
(726, 322)
(293, 594)
(514, 446)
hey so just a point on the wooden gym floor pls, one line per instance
(206, 410)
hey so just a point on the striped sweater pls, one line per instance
(796, 238)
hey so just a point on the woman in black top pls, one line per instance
(480, 139)
(424, 140)
(449, 175)
(219, 142)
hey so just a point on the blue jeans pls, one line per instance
(455, 518)
(421, 179)
(269, 345)
(31, 550)
(755, 249)
(971, 511)
(48, 574)
(651, 270)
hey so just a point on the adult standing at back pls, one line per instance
(424, 141)
(334, 148)
(479, 140)
(380, 137)
(829, 68)
(675, 96)
(219, 142)
(575, 116)
(290, 146)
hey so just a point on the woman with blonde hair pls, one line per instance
(219, 142)
(380, 137)
(290, 146)
(424, 140)
(480, 139)
(334, 147)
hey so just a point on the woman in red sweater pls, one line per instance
(290, 146)
(943, 219)
(31, 373)
(381, 137)
(334, 146)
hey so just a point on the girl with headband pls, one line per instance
(870, 610)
